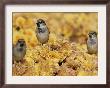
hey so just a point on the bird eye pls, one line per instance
(90, 35)
(38, 24)
(43, 22)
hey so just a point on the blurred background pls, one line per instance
(68, 36)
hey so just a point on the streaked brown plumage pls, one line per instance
(92, 43)
(42, 32)
(19, 50)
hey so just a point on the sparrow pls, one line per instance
(42, 32)
(92, 43)
(19, 50)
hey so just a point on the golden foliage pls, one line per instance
(67, 41)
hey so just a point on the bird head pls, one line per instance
(92, 35)
(41, 25)
(40, 22)
(21, 43)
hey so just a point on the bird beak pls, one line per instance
(90, 36)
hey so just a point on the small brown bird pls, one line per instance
(92, 43)
(19, 50)
(42, 32)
